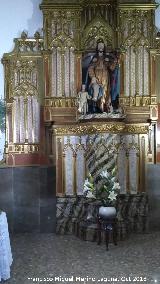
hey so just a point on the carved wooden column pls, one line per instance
(122, 59)
(78, 71)
(59, 167)
(47, 72)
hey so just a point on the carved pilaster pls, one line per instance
(60, 166)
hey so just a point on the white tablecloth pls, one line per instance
(5, 248)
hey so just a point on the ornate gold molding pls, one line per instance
(136, 25)
(32, 46)
(74, 4)
(140, 6)
(81, 129)
(58, 6)
(62, 41)
(140, 101)
(157, 46)
(22, 74)
(139, 128)
(61, 102)
(93, 128)
(95, 2)
(98, 28)
(22, 148)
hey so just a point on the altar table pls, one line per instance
(5, 248)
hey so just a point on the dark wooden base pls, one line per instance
(108, 225)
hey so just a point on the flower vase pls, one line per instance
(107, 212)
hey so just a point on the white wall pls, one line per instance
(157, 20)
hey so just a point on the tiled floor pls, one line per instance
(47, 256)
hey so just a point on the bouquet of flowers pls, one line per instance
(105, 190)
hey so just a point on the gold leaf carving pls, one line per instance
(93, 128)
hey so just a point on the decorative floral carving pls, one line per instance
(98, 28)
(102, 128)
(136, 26)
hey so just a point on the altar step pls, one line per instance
(78, 216)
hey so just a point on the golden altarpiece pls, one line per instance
(43, 76)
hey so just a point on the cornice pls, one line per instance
(57, 6)
(138, 6)
(73, 4)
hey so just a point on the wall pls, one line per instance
(27, 195)
(157, 19)
(153, 182)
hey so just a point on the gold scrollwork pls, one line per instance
(102, 128)
(61, 102)
(138, 101)
(137, 128)
(62, 40)
(23, 148)
(89, 129)
(136, 24)
(22, 77)
(97, 28)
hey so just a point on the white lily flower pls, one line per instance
(85, 189)
(88, 186)
(87, 183)
(113, 179)
(105, 174)
(112, 196)
(105, 187)
(116, 186)
(90, 195)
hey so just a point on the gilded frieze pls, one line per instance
(141, 101)
(61, 102)
(137, 128)
(89, 129)
(22, 148)
(92, 128)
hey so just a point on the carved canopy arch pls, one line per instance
(62, 40)
(136, 40)
(25, 89)
(97, 28)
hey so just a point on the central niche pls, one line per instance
(100, 67)
(100, 80)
